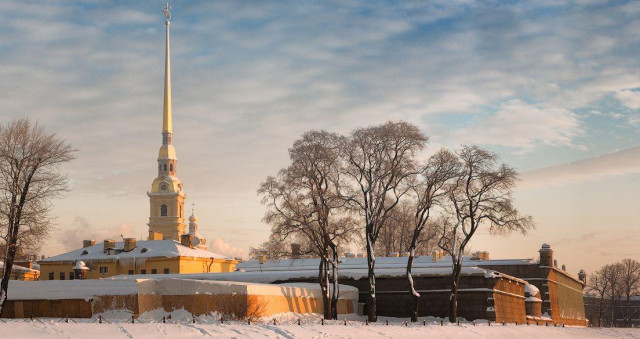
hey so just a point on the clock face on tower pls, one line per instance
(163, 187)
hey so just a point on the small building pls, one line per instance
(22, 270)
(131, 257)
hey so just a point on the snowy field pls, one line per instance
(289, 328)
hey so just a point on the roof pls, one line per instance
(18, 268)
(273, 276)
(381, 263)
(144, 249)
(87, 289)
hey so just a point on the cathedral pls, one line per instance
(171, 247)
(166, 199)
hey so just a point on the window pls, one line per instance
(61, 275)
(165, 167)
(71, 276)
(154, 271)
(171, 167)
(104, 270)
(143, 271)
(130, 272)
(166, 271)
(50, 275)
(163, 210)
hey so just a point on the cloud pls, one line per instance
(248, 78)
(71, 238)
(613, 164)
(520, 125)
(629, 98)
(217, 245)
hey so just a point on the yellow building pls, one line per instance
(19, 272)
(134, 258)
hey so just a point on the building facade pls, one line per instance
(132, 257)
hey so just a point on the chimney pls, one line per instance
(186, 240)
(155, 235)
(109, 244)
(485, 255)
(87, 243)
(582, 275)
(129, 244)
(295, 250)
(435, 256)
(546, 255)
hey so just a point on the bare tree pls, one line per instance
(629, 287)
(274, 248)
(480, 195)
(428, 189)
(29, 180)
(599, 286)
(395, 235)
(614, 276)
(304, 199)
(380, 159)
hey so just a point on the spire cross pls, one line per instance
(166, 11)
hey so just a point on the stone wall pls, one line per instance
(495, 298)
(561, 294)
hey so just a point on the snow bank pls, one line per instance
(310, 328)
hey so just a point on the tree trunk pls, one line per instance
(414, 294)
(453, 297)
(600, 312)
(371, 263)
(336, 289)
(323, 280)
(14, 228)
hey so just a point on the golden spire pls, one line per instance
(166, 113)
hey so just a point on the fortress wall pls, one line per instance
(197, 297)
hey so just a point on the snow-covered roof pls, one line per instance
(87, 289)
(17, 268)
(68, 289)
(381, 263)
(144, 249)
(271, 276)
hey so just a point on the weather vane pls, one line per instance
(166, 12)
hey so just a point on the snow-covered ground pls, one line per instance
(182, 326)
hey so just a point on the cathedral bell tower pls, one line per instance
(166, 197)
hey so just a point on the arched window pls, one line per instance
(165, 167)
(163, 210)
(171, 167)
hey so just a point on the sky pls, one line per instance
(553, 87)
